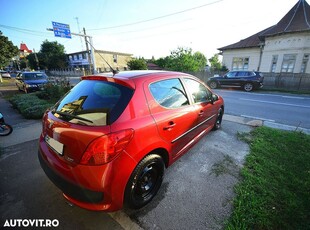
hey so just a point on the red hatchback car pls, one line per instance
(108, 141)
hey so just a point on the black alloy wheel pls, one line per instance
(248, 87)
(213, 85)
(145, 181)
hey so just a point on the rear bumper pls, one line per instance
(97, 188)
(79, 186)
(71, 190)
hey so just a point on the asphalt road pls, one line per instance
(197, 191)
(286, 109)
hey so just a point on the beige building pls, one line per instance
(282, 48)
(117, 60)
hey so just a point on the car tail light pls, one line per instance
(105, 148)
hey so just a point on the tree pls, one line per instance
(216, 65)
(51, 56)
(183, 59)
(137, 64)
(7, 51)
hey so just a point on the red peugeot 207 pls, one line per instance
(108, 141)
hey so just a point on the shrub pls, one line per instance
(53, 92)
(34, 105)
(29, 105)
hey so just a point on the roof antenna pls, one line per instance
(113, 70)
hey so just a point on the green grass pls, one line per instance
(275, 190)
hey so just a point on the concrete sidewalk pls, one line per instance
(23, 129)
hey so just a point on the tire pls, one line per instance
(213, 84)
(218, 122)
(144, 181)
(248, 87)
(5, 129)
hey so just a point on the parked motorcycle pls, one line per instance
(5, 129)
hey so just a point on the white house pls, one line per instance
(281, 48)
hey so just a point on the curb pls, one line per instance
(243, 120)
(258, 123)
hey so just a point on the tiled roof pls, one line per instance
(23, 48)
(296, 20)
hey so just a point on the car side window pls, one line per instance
(169, 93)
(199, 92)
(243, 74)
(231, 74)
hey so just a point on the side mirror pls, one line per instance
(214, 98)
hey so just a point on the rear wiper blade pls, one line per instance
(73, 116)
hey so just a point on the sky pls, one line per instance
(143, 28)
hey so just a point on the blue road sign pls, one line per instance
(61, 30)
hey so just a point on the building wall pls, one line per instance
(288, 44)
(297, 44)
(117, 61)
(252, 53)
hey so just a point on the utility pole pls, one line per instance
(87, 49)
(36, 57)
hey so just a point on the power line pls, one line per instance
(27, 31)
(160, 17)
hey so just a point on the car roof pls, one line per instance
(244, 71)
(134, 73)
(32, 72)
(127, 77)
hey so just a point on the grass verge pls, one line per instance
(275, 190)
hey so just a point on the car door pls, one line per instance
(202, 99)
(170, 108)
(230, 79)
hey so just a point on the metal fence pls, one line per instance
(289, 81)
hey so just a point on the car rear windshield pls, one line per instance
(93, 103)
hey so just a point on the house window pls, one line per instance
(74, 57)
(240, 63)
(288, 63)
(304, 63)
(84, 55)
(80, 56)
(115, 58)
(274, 63)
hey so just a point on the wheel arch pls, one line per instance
(163, 153)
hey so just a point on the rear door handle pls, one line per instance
(200, 113)
(171, 124)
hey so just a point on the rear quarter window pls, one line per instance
(99, 102)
